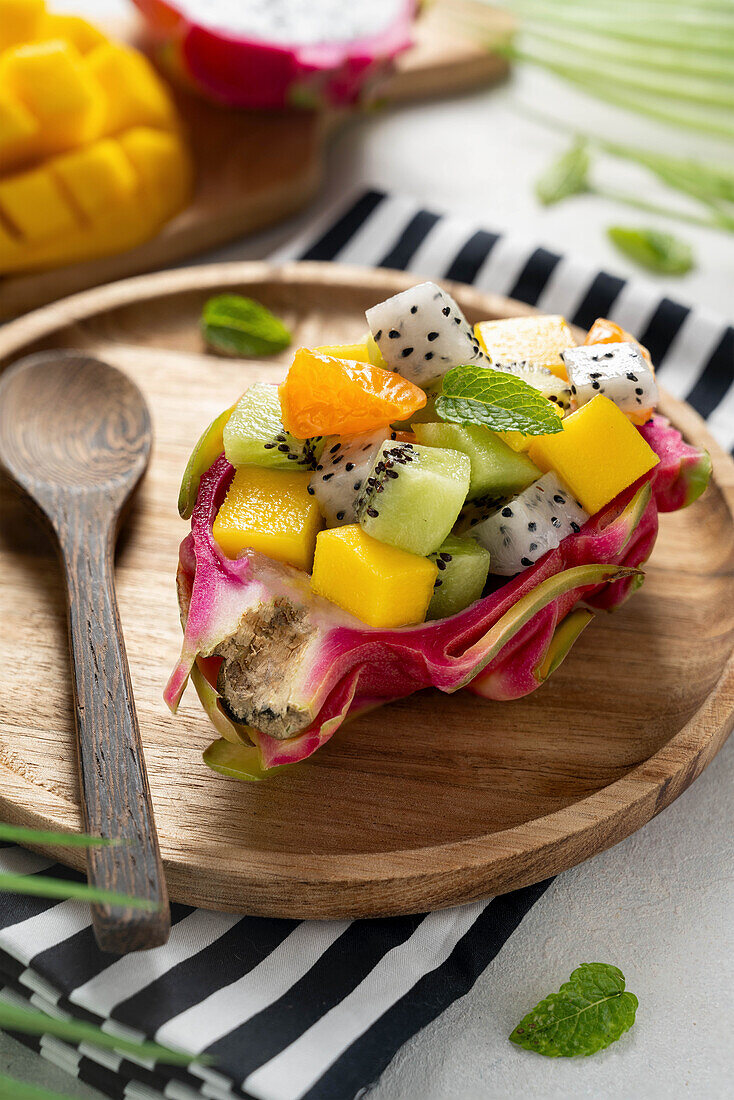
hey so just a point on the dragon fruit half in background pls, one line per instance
(309, 665)
(270, 54)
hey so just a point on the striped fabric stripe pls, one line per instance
(315, 1010)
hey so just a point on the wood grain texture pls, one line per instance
(256, 168)
(428, 802)
(75, 435)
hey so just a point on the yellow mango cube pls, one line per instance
(98, 177)
(18, 131)
(72, 28)
(19, 21)
(521, 442)
(379, 584)
(598, 453)
(49, 78)
(356, 352)
(537, 338)
(271, 511)
(132, 92)
(34, 204)
(163, 166)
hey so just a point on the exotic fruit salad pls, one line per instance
(435, 506)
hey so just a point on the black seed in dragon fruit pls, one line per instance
(540, 378)
(340, 474)
(618, 371)
(526, 527)
(422, 333)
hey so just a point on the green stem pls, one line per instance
(10, 1089)
(720, 43)
(666, 63)
(599, 89)
(19, 834)
(663, 211)
(30, 1022)
(44, 887)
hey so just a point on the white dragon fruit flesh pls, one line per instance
(540, 378)
(526, 527)
(618, 371)
(422, 333)
(340, 474)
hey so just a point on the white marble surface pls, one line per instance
(661, 904)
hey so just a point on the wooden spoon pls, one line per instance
(75, 434)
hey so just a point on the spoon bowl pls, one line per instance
(75, 434)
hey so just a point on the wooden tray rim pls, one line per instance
(636, 797)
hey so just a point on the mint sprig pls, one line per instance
(233, 325)
(590, 1011)
(503, 402)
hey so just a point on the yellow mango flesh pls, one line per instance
(92, 161)
(537, 338)
(379, 584)
(598, 453)
(356, 352)
(271, 511)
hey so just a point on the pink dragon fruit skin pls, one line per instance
(502, 647)
(240, 71)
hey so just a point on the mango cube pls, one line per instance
(537, 338)
(50, 80)
(271, 511)
(519, 441)
(133, 93)
(379, 584)
(356, 352)
(34, 204)
(19, 21)
(598, 453)
(97, 177)
(72, 28)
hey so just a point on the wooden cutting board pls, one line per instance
(428, 802)
(255, 168)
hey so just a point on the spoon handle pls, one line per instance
(114, 783)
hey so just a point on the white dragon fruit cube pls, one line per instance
(619, 371)
(422, 333)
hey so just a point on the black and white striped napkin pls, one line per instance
(315, 1010)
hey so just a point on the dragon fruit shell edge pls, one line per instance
(238, 71)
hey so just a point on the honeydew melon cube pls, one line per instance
(495, 467)
(383, 586)
(270, 511)
(598, 453)
(537, 339)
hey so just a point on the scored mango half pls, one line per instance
(92, 159)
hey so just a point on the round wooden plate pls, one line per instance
(429, 802)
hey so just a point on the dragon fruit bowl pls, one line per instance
(282, 652)
(283, 53)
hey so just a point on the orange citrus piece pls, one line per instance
(609, 332)
(323, 395)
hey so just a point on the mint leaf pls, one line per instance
(502, 402)
(651, 248)
(590, 1011)
(566, 176)
(232, 325)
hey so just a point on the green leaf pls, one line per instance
(569, 175)
(590, 1011)
(653, 249)
(20, 834)
(31, 1022)
(43, 887)
(19, 1090)
(503, 402)
(233, 325)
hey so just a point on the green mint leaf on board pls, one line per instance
(503, 402)
(590, 1011)
(569, 175)
(233, 325)
(653, 249)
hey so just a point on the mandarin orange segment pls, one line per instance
(323, 395)
(604, 331)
